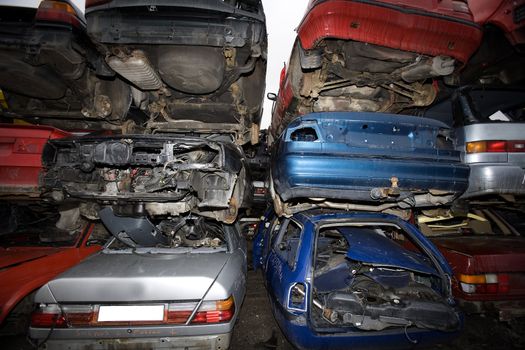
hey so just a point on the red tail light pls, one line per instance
(489, 283)
(57, 11)
(53, 316)
(48, 317)
(180, 317)
(209, 312)
(495, 146)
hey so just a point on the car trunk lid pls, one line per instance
(503, 257)
(13, 257)
(486, 253)
(132, 277)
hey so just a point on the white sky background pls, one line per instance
(282, 17)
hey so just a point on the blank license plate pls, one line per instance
(131, 313)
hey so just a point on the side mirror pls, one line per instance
(271, 96)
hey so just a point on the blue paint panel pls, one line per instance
(355, 152)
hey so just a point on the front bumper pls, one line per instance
(208, 342)
(495, 179)
(505, 310)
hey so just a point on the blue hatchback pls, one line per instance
(343, 280)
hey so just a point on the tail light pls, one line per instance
(53, 316)
(57, 11)
(489, 283)
(495, 146)
(48, 316)
(209, 312)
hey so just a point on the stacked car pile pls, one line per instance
(159, 99)
(343, 264)
(396, 144)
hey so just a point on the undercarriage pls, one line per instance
(342, 75)
(147, 175)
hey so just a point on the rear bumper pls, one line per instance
(175, 25)
(303, 337)
(355, 178)
(505, 310)
(208, 342)
(495, 178)
(384, 23)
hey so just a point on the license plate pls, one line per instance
(131, 313)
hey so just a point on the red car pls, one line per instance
(21, 157)
(395, 55)
(486, 251)
(34, 253)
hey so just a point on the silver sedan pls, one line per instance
(183, 293)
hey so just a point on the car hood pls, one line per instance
(487, 254)
(129, 277)
(370, 248)
(15, 256)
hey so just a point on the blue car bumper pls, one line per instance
(299, 334)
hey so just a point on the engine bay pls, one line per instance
(154, 175)
(370, 295)
(177, 232)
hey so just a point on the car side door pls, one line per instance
(261, 241)
(284, 270)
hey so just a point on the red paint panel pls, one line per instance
(428, 33)
(485, 254)
(32, 267)
(501, 14)
(20, 154)
(284, 98)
